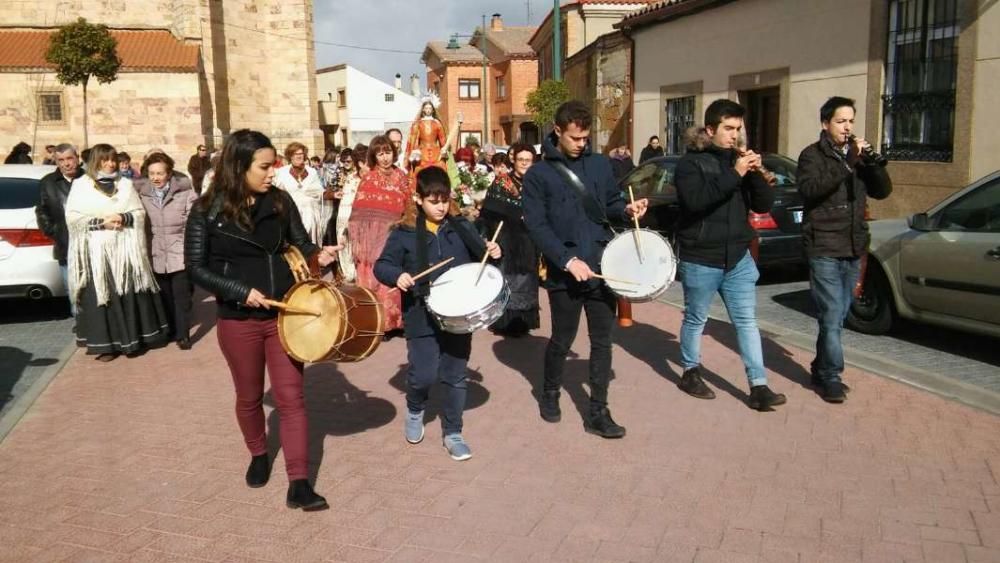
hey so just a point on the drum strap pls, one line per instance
(590, 204)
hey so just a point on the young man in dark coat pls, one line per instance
(571, 230)
(835, 176)
(717, 187)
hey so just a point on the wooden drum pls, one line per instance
(348, 327)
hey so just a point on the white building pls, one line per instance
(354, 107)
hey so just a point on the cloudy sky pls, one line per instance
(404, 25)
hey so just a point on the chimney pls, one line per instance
(399, 81)
(496, 23)
(415, 85)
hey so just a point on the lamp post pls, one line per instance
(487, 133)
(556, 41)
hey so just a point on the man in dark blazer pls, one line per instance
(571, 230)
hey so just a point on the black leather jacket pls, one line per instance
(229, 261)
(50, 213)
(835, 195)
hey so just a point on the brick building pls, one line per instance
(193, 71)
(455, 74)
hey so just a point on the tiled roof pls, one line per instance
(567, 5)
(139, 50)
(513, 41)
(665, 10)
(464, 54)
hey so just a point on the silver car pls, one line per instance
(27, 268)
(940, 267)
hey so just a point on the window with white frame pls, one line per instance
(501, 88)
(390, 97)
(920, 80)
(468, 89)
(680, 116)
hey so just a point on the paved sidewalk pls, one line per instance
(141, 460)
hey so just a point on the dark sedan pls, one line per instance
(780, 230)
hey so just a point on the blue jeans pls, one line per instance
(738, 288)
(441, 357)
(832, 282)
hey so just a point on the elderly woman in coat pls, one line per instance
(167, 199)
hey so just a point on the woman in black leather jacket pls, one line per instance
(233, 247)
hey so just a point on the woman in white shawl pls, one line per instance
(110, 276)
(303, 183)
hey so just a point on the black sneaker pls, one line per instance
(301, 495)
(833, 392)
(816, 381)
(259, 471)
(548, 406)
(603, 425)
(692, 384)
(762, 398)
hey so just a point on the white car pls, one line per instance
(940, 267)
(27, 268)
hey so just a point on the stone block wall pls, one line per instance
(137, 112)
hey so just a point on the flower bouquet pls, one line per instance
(472, 183)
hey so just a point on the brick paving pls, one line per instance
(141, 460)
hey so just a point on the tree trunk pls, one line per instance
(86, 142)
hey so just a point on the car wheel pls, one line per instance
(873, 311)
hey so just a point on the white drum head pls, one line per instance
(457, 294)
(649, 276)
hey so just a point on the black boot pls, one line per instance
(762, 398)
(603, 425)
(548, 406)
(692, 384)
(816, 381)
(833, 392)
(301, 495)
(184, 343)
(259, 471)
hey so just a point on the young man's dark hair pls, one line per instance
(722, 109)
(832, 105)
(393, 130)
(654, 138)
(573, 111)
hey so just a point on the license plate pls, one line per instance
(797, 216)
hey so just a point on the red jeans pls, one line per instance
(248, 346)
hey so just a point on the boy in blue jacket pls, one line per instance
(427, 235)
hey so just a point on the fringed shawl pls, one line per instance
(94, 253)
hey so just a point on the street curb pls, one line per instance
(965, 393)
(24, 402)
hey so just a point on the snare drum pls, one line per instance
(348, 329)
(461, 306)
(650, 276)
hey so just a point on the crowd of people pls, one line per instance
(132, 241)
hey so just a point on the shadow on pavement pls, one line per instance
(526, 356)
(653, 346)
(17, 311)
(334, 407)
(477, 395)
(13, 363)
(777, 358)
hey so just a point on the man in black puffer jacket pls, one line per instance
(835, 177)
(716, 188)
(50, 213)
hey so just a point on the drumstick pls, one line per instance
(614, 280)
(427, 271)
(482, 263)
(635, 217)
(291, 308)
